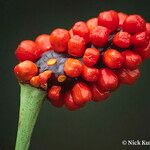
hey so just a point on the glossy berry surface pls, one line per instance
(81, 93)
(59, 39)
(92, 23)
(134, 24)
(91, 56)
(97, 94)
(80, 28)
(127, 76)
(25, 70)
(109, 19)
(107, 80)
(76, 46)
(122, 18)
(122, 39)
(113, 59)
(43, 42)
(132, 59)
(27, 50)
(99, 36)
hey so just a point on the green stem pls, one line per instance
(31, 100)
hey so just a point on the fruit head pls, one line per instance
(134, 24)
(113, 59)
(108, 19)
(88, 61)
(59, 39)
(107, 80)
(99, 36)
(28, 50)
(25, 70)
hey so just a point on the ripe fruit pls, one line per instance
(80, 28)
(27, 50)
(107, 80)
(122, 39)
(90, 74)
(134, 24)
(99, 36)
(92, 23)
(73, 67)
(144, 51)
(25, 70)
(127, 76)
(122, 18)
(55, 96)
(69, 103)
(113, 59)
(97, 94)
(76, 46)
(132, 59)
(148, 28)
(109, 19)
(59, 39)
(43, 42)
(91, 56)
(140, 39)
(81, 93)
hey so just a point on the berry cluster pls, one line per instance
(87, 62)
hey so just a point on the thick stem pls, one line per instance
(31, 100)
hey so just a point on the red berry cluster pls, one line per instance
(100, 54)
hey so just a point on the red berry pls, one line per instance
(113, 59)
(69, 103)
(55, 96)
(43, 42)
(73, 67)
(109, 19)
(148, 28)
(132, 59)
(99, 36)
(28, 50)
(59, 39)
(97, 94)
(80, 28)
(107, 80)
(122, 17)
(25, 70)
(92, 23)
(134, 24)
(144, 51)
(140, 39)
(71, 33)
(122, 39)
(76, 46)
(127, 76)
(81, 93)
(91, 56)
(90, 74)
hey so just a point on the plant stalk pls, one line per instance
(31, 100)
